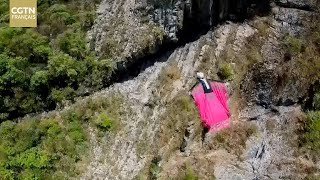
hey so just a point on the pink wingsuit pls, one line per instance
(213, 107)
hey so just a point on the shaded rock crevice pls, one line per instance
(295, 4)
(185, 20)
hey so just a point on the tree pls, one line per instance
(73, 43)
(63, 70)
(25, 43)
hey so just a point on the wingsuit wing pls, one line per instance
(213, 107)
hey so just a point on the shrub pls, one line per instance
(110, 48)
(73, 43)
(63, 70)
(263, 27)
(62, 94)
(311, 138)
(103, 71)
(154, 167)
(32, 158)
(39, 80)
(226, 72)
(105, 122)
(316, 39)
(316, 100)
(190, 175)
(59, 17)
(86, 19)
(4, 6)
(103, 112)
(294, 46)
(312, 177)
(13, 74)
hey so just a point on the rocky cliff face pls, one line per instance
(160, 136)
(128, 30)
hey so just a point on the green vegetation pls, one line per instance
(190, 175)
(104, 121)
(316, 101)
(312, 177)
(226, 72)
(43, 67)
(154, 168)
(51, 148)
(104, 112)
(41, 149)
(311, 137)
(306, 54)
(243, 60)
(263, 26)
(293, 45)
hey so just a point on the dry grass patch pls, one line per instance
(263, 25)
(167, 77)
(234, 139)
(180, 112)
(104, 113)
(226, 72)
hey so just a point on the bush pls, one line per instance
(226, 72)
(104, 112)
(101, 72)
(104, 121)
(39, 80)
(63, 70)
(294, 46)
(154, 168)
(4, 13)
(311, 138)
(62, 94)
(86, 19)
(316, 101)
(73, 43)
(190, 175)
(181, 111)
(59, 17)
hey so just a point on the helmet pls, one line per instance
(200, 75)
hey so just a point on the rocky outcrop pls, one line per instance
(268, 100)
(307, 5)
(156, 140)
(127, 30)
